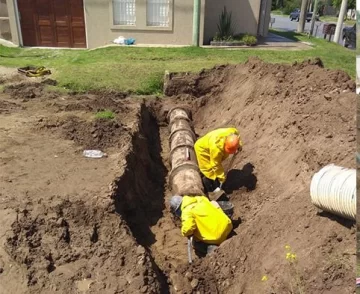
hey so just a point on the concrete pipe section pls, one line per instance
(184, 178)
(333, 189)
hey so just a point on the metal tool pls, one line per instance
(189, 249)
(187, 156)
(217, 194)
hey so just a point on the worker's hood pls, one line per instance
(189, 200)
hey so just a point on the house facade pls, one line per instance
(94, 23)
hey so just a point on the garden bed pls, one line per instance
(230, 43)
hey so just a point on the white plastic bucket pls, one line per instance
(333, 189)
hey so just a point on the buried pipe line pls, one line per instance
(184, 177)
(333, 189)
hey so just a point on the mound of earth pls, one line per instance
(29, 90)
(76, 225)
(293, 121)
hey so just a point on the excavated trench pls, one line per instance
(132, 235)
(139, 196)
(145, 187)
(140, 248)
(140, 191)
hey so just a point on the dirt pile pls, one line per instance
(75, 243)
(71, 244)
(97, 134)
(30, 90)
(72, 224)
(293, 121)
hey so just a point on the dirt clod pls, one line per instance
(194, 283)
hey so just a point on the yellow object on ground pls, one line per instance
(34, 72)
(207, 223)
(210, 153)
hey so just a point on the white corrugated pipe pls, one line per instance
(333, 189)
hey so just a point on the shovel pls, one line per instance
(189, 249)
(214, 196)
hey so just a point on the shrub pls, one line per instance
(217, 37)
(225, 26)
(249, 40)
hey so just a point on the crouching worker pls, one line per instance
(211, 150)
(208, 224)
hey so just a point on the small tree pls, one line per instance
(289, 6)
(225, 26)
(350, 5)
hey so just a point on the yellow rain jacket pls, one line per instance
(210, 153)
(203, 220)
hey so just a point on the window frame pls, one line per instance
(141, 19)
(156, 26)
(112, 20)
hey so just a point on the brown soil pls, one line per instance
(76, 225)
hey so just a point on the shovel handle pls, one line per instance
(189, 249)
(231, 162)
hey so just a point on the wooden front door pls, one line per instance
(52, 23)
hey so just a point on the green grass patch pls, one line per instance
(327, 18)
(153, 85)
(334, 56)
(277, 12)
(105, 114)
(140, 70)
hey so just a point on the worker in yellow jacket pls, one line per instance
(208, 224)
(211, 150)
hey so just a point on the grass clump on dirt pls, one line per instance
(140, 70)
(105, 114)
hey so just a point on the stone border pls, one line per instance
(224, 43)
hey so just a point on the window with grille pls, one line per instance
(124, 12)
(3, 9)
(157, 13)
(5, 32)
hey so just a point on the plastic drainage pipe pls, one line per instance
(184, 177)
(333, 189)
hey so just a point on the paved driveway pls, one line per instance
(284, 23)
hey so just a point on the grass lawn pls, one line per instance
(277, 12)
(141, 70)
(334, 19)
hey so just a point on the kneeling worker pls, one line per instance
(208, 224)
(211, 150)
